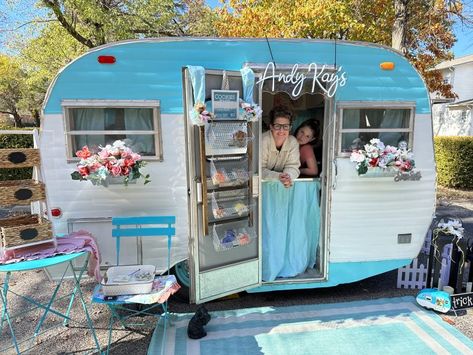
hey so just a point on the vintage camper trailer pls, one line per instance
(336, 228)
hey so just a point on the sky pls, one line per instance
(464, 45)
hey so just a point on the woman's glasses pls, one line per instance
(284, 127)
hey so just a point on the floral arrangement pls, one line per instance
(112, 160)
(200, 115)
(452, 227)
(250, 112)
(376, 154)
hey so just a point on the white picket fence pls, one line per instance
(414, 275)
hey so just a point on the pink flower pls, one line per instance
(94, 167)
(115, 170)
(84, 153)
(125, 170)
(390, 149)
(83, 170)
(407, 166)
(103, 154)
(135, 156)
(128, 162)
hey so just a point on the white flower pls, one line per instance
(452, 226)
(357, 157)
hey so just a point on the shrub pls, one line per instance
(454, 157)
(8, 141)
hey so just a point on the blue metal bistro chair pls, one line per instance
(137, 227)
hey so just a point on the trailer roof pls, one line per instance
(151, 69)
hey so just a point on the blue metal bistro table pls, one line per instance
(47, 307)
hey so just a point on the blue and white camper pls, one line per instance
(337, 228)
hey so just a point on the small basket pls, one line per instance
(225, 237)
(233, 176)
(227, 137)
(124, 280)
(23, 230)
(19, 158)
(233, 203)
(21, 192)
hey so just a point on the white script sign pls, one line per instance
(327, 81)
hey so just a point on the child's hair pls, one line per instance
(280, 111)
(313, 125)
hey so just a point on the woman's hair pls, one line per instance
(313, 125)
(280, 111)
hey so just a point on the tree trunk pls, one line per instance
(17, 118)
(399, 33)
(36, 117)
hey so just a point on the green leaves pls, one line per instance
(427, 32)
(454, 158)
(77, 176)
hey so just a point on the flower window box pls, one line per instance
(26, 229)
(380, 160)
(377, 172)
(19, 158)
(21, 192)
(230, 204)
(228, 236)
(113, 164)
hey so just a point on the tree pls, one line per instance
(399, 32)
(42, 57)
(11, 88)
(96, 22)
(356, 19)
(421, 29)
(49, 39)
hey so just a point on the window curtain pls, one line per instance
(197, 75)
(351, 119)
(88, 119)
(139, 119)
(393, 119)
(290, 227)
(248, 81)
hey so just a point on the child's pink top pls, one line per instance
(306, 152)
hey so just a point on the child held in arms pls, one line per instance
(306, 135)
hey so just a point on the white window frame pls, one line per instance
(152, 104)
(344, 105)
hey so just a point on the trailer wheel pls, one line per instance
(181, 270)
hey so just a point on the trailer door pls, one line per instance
(224, 203)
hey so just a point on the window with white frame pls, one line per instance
(98, 123)
(358, 125)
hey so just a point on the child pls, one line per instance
(305, 134)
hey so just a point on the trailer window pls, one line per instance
(359, 125)
(98, 126)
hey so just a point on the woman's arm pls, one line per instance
(293, 161)
(266, 173)
(308, 157)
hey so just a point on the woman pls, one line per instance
(280, 161)
(280, 151)
(306, 134)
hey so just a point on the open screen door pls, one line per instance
(224, 204)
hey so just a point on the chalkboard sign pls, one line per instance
(462, 300)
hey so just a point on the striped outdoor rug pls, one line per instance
(382, 326)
